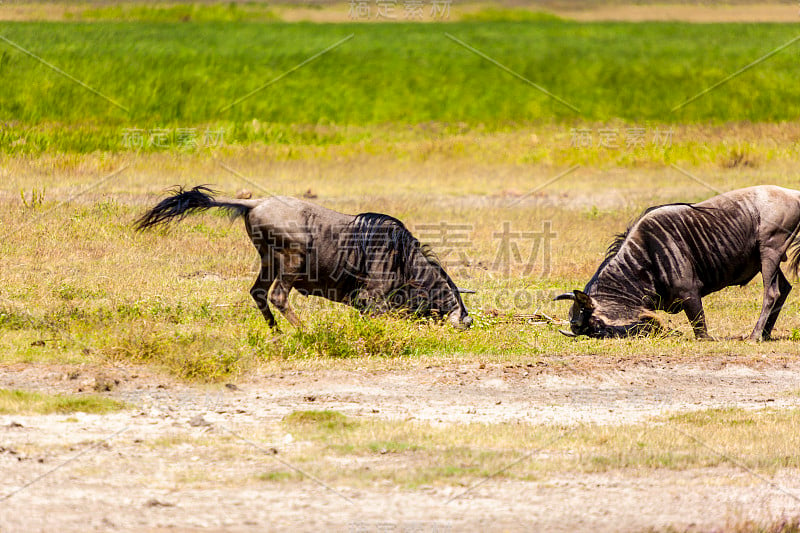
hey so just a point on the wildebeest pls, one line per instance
(370, 261)
(673, 255)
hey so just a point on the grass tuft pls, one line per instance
(18, 402)
(346, 333)
(321, 421)
(192, 357)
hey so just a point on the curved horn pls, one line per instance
(465, 291)
(565, 296)
(567, 333)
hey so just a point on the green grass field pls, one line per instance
(184, 75)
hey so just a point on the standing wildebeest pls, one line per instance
(675, 254)
(370, 261)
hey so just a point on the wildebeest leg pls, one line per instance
(776, 289)
(260, 293)
(280, 299)
(693, 306)
(785, 288)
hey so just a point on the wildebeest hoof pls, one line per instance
(463, 325)
(707, 338)
(458, 321)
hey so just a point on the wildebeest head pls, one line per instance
(430, 291)
(620, 299)
(445, 298)
(590, 317)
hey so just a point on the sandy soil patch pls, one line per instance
(123, 482)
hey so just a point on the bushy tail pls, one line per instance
(182, 202)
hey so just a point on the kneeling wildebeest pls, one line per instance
(370, 261)
(673, 255)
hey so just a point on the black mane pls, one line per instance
(367, 227)
(620, 238)
(379, 239)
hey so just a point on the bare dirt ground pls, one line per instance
(114, 472)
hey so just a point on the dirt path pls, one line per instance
(125, 481)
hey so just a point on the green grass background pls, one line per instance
(181, 74)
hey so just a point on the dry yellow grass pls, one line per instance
(364, 451)
(700, 439)
(80, 281)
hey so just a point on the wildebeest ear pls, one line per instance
(583, 299)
